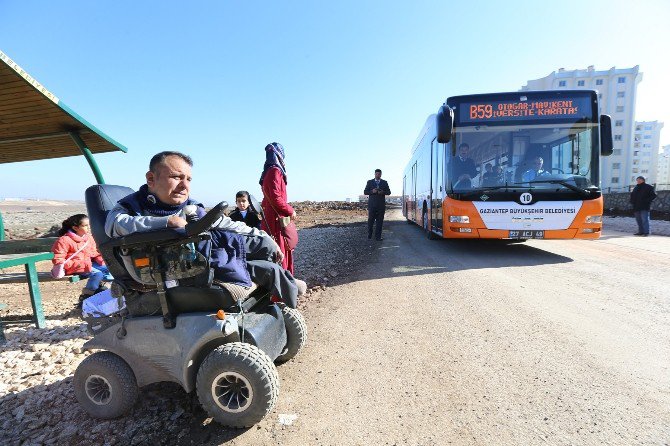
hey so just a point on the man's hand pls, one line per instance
(279, 256)
(176, 221)
(294, 216)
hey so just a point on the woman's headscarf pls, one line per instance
(274, 157)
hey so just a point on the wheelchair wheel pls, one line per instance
(105, 385)
(237, 384)
(296, 333)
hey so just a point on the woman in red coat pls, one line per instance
(275, 203)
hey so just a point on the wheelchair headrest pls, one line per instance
(100, 199)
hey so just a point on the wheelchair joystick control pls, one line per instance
(191, 213)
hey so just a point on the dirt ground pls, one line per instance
(411, 341)
(37, 404)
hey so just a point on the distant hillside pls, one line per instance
(34, 202)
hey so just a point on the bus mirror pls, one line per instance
(445, 124)
(606, 144)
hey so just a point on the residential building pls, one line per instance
(663, 174)
(646, 139)
(617, 88)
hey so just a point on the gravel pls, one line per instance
(37, 402)
(628, 224)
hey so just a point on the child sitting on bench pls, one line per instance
(77, 252)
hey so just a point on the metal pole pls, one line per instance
(89, 156)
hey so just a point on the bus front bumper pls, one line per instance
(590, 233)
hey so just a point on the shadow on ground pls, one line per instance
(164, 415)
(438, 256)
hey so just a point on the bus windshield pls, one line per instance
(539, 156)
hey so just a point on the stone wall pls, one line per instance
(619, 204)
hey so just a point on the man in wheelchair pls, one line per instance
(238, 255)
(217, 335)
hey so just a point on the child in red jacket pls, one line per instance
(79, 253)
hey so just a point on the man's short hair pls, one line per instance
(463, 144)
(641, 178)
(159, 158)
(241, 194)
(378, 170)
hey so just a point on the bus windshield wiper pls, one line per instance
(503, 186)
(584, 192)
(487, 188)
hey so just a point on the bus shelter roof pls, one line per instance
(35, 124)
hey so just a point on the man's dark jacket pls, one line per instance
(642, 196)
(459, 167)
(376, 200)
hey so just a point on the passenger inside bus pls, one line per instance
(500, 175)
(463, 168)
(491, 177)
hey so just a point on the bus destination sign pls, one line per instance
(572, 109)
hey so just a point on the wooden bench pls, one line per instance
(28, 253)
(41, 276)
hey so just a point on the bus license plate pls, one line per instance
(526, 234)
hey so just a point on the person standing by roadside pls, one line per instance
(641, 197)
(275, 203)
(376, 189)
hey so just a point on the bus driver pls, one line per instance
(535, 171)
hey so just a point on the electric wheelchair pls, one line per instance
(179, 324)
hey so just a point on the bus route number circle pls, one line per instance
(526, 198)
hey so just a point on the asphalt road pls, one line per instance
(457, 342)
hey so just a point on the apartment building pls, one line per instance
(663, 168)
(646, 141)
(617, 89)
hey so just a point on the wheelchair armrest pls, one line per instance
(145, 238)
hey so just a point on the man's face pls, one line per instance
(378, 175)
(464, 151)
(538, 163)
(242, 203)
(639, 180)
(171, 183)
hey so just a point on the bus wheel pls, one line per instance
(430, 234)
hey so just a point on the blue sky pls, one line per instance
(345, 86)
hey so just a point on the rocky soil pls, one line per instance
(37, 403)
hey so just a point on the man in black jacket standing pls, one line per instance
(641, 197)
(376, 190)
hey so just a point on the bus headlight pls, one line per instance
(594, 219)
(459, 219)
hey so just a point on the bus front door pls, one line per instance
(437, 186)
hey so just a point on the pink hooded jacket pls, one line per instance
(68, 244)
